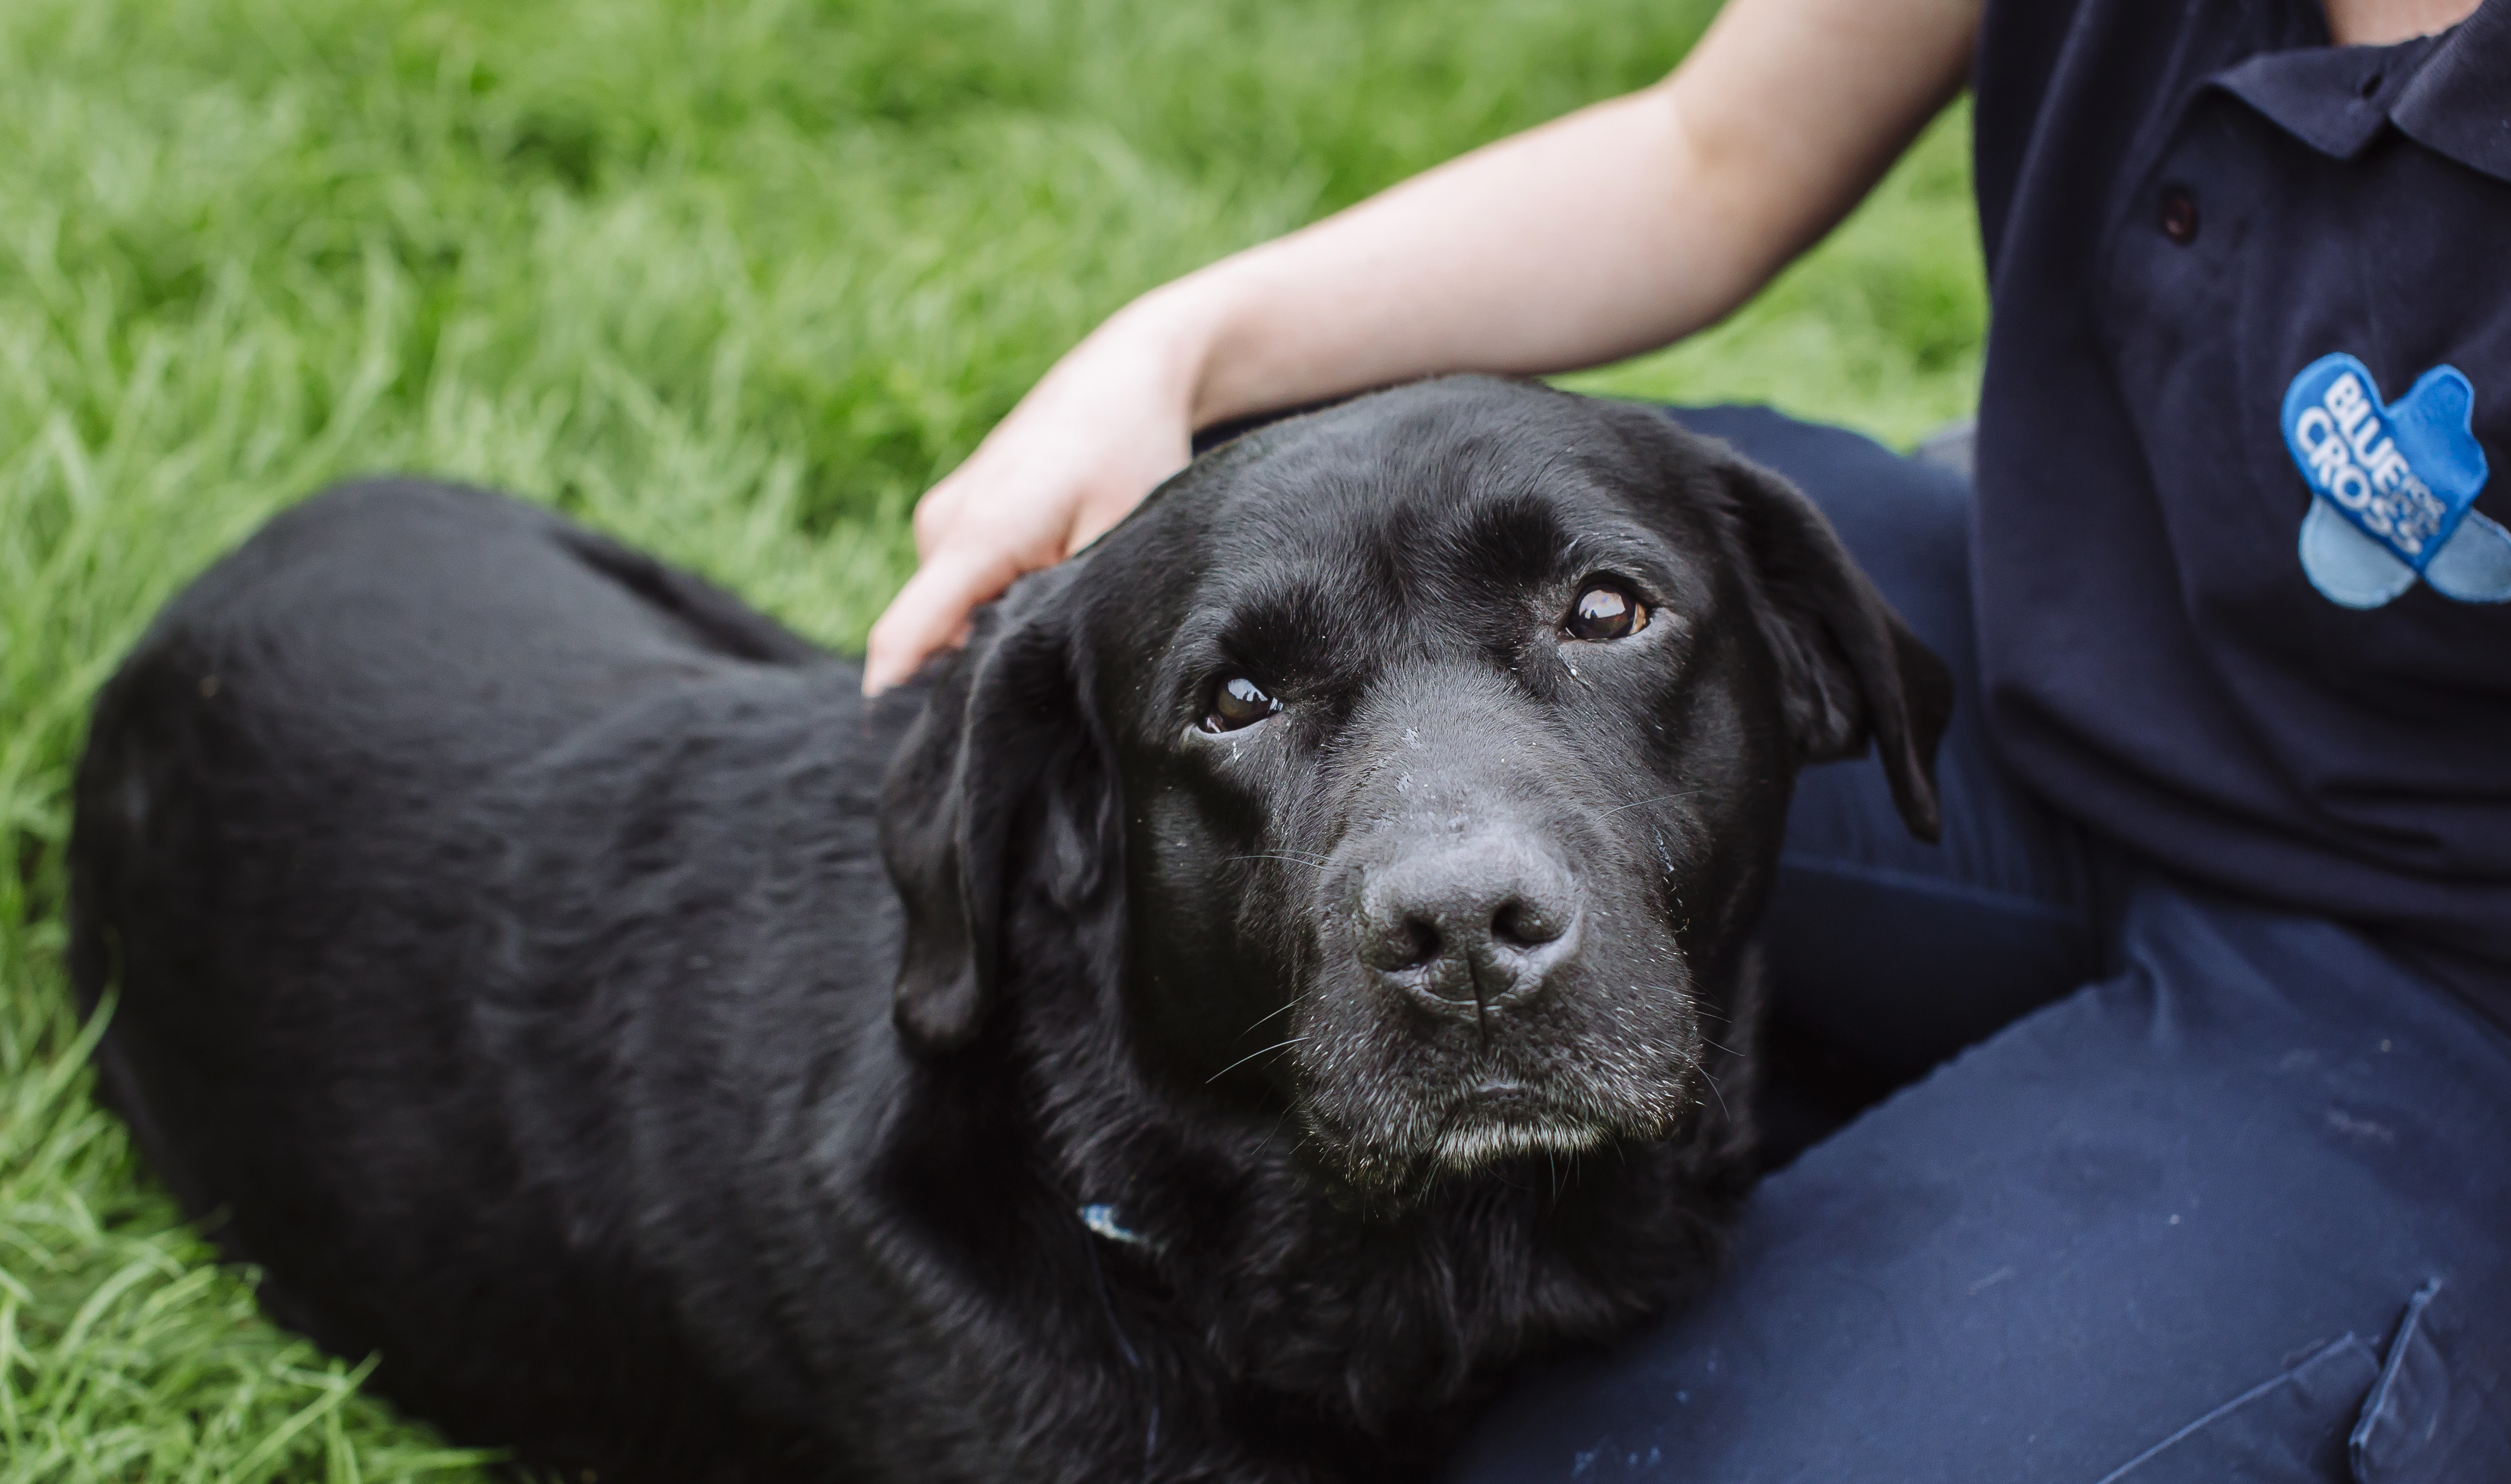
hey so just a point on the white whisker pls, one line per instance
(1295, 858)
(1251, 1056)
(1663, 798)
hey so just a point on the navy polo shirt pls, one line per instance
(2244, 462)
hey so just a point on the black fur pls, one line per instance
(520, 956)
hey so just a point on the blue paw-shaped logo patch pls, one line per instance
(2394, 487)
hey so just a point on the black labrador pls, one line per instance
(1292, 965)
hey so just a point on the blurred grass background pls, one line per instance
(733, 281)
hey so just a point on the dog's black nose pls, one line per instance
(1468, 925)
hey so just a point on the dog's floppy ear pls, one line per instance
(1849, 669)
(1001, 732)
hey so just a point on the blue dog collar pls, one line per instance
(1104, 1221)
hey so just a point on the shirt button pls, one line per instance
(2180, 216)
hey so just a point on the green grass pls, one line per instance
(735, 281)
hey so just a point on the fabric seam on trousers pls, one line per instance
(2376, 1404)
(2227, 1409)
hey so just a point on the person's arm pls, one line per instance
(1616, 229)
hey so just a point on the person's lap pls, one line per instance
(2175, 1220)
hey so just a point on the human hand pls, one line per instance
(1532, 254)
(1106, 424)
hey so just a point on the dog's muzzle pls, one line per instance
(1467, 926)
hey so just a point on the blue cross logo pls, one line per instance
(2393, 488)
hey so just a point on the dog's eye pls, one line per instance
(1238, 703)
(1606, 611)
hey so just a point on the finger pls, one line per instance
(1098, 508)
(934, 516)
(930, 614)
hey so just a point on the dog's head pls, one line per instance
(1419, 763)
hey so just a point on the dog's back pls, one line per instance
(411, 720)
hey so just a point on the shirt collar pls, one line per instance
(2450, 93)
(2460, 102)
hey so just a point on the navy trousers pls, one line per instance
(2195, 1188)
